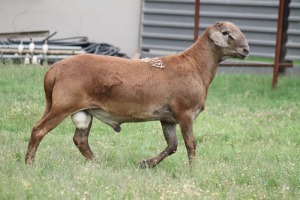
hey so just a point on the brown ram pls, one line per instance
(171, 89)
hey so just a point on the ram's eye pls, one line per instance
(229, 34)
(225, 33)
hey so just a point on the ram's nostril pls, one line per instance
(246, 50)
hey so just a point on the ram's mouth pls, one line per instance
(240, 55)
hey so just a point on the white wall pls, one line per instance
(115, 22)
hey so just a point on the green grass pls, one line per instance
(248, 147)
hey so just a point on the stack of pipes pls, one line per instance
(37, 53)
(50, 51)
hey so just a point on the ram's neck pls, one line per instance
(205, 57)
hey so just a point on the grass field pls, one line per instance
(248, 147)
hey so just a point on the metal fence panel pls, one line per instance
(167, 25)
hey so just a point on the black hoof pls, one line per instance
(144, 164)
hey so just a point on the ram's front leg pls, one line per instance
(186, 126)
(169, 131)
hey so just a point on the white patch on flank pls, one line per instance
(155, 62)
(81, 119)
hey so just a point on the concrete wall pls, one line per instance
(115, 22)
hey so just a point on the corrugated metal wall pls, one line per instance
(114, 22)
(167, 25)
(293, 43)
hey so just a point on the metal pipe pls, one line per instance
(24, 34)
(40, 57)
(54, 52)
(196, 20)
(50, 47)
(245, 64)
(278, 43)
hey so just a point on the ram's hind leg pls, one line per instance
(41, 128)
(169, 131)
(83, 122)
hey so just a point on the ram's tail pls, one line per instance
(49, 82)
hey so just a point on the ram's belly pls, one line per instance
(115, 119)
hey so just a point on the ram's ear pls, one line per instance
(218, 38)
